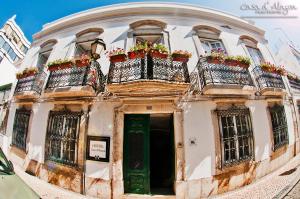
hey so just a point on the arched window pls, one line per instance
(209, 38)
(84, 39)
(44, 52)
(251, 46)
(148, 30)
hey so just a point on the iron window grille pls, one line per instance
(221, 74)
(62, 137)
(20, 128)
(31, 83)
(236, 135)
(148, 68)
(279, 126)
(267, 79)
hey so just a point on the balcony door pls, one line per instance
(149, 154)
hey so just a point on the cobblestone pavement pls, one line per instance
(273, 186)
(294, 193)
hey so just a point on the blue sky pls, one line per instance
(32, 14)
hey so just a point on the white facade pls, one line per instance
(13, 47)
(199, 170)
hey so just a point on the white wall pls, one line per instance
(198, 126)
(37, 130)
(101, 123)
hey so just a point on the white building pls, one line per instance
(152, 125)
(13, 47)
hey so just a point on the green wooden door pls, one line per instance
(136, 154)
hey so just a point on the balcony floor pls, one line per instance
(149, 88)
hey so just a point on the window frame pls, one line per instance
(262, 59)
(202, 39)
(278, 109)
(25, 115)
(65, 115)
(235, 112)
(135, 35)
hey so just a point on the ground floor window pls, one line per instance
(62, 137)
(279, 126)
(236, 135)
(20, 128)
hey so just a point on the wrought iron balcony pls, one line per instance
(221, 79)
(75, 81)
(30, 86)
(294, 83)
(269, 83)
(148, 75)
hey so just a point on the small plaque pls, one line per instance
(98, 148)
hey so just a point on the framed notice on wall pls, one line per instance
(98, 148)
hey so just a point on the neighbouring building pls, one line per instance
(13, 47)
(149, 123)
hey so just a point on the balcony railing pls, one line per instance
(294, 83)
(267, 79)
(148, 68)
(33, 83)
(211, 74)
(90, 75)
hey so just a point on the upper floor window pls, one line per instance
(236, 135)
(209, 38)
(84, 39)
(24, 49)
(44, 53)
(151, 31)
(279, 126)
(9, 50)
(210, 45)
(254, 52)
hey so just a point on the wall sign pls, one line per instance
(98, 148)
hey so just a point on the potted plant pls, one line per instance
(230, 61)
(243, 61)
(27, 72)
(59, 64)
(117, 55)
(159, 51)
(181, 56)
(82, 61)
(19, 75)
(138, 51)
(217, 56)
(269, 67)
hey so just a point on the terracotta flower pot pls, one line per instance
(157, 54)
(213, 60)
(244, 65)
(65, 65)
(82, 62)
(53, 67)
(132, 55)
(118, 58)
(180, 58)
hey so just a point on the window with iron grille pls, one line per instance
(20, 128)
(279, 126)
(62, 137)
(236, 135)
